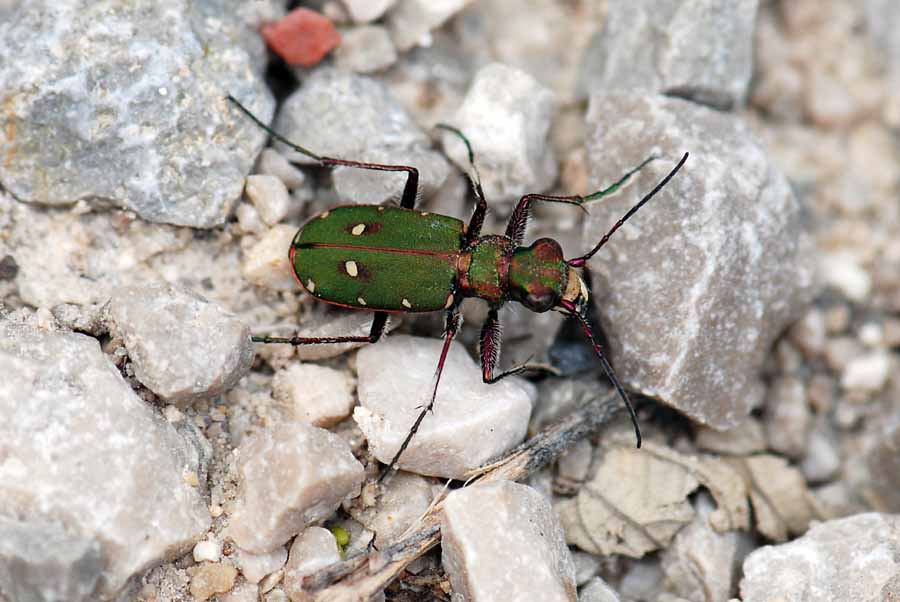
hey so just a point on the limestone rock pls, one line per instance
(502, 541)
(850, 558)
(312, 550)
(472, 422)
(291, 477)
(93, 480)
(696, 286)
(313, 394)
(133, 114)
(183, 347)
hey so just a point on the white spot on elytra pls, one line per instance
(358, 229)
(449, 301)
(351, 268)
(405, 303)
(311, 285)
(361, 301)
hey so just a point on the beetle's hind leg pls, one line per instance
(379, 322)
(407, 201)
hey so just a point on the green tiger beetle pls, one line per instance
(387, 259)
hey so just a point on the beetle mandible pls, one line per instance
(387, 259)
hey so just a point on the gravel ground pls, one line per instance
(151, 451)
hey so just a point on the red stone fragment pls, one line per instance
(303, 37)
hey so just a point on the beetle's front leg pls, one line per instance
(491, 337)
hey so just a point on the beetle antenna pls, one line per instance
(608, 369)
(580, 261)
(474, 175)
(270, 131)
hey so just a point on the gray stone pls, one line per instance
(411, 21)
(255, 567)
(364, 186)
(291, 477)
(183, 347)
(503, 541)
(597, 590)
(273, 163)
(696, 49)
(267, 263)
(702, 564)
(44, 563)
(270, 197)
(365, 49)
(365, 11)
(877, 482)
(135, 115)
(506, 116)
(95, 484)
(788, 417)
(472, 422)
(316, 395)
(403, 500)
(695, 287)
(312, 550)
(845, 559)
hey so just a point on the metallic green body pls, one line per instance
(485, 267)
(374, 257)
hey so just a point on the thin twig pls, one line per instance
(360, 578)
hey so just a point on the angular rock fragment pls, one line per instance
(312, 550)
(291, 477)
(267, 263)
(702, 564)
(506, 117)
(696, 49)
(183, 347)
(371, 126)
(136, 117)
(365, 11)
(411, 21)
(256, 567)
(502, 541)
(313, 394)
(788, 417)
(403, 500)
(472, 422)
(850, 558)
(270, 197)
(93, 481)
(302, 37)
(212, 578)
(696, 286)
(365, 49)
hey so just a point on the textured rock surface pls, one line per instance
(403, 500)
(292, 476)
(313, 549)
(183, 347)
(411, 21)
(130, 112)
(698, 49)
(695, 288)
(93, 482)
(597, 590)
(313, 394)
(472, 422)
(364, 11)
(371, 126)
(845, 559)
(365, 49)
(255, 567)
(506, 117)
(502, 541)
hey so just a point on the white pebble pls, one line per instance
(273, 163)
(868, 372)
(207, 550)
(842, 271)
(267, 263)
(270, 197)
(871, 334)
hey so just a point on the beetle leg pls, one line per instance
(408, 200)
(473, 230)
(453, 322)
(379, 321)
(518, 221)
(491, 335)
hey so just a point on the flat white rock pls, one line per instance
(312, 550)
(291, 477)
(317, 395)
(503, 541)
(472, 422)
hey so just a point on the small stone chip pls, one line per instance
(213, 578)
